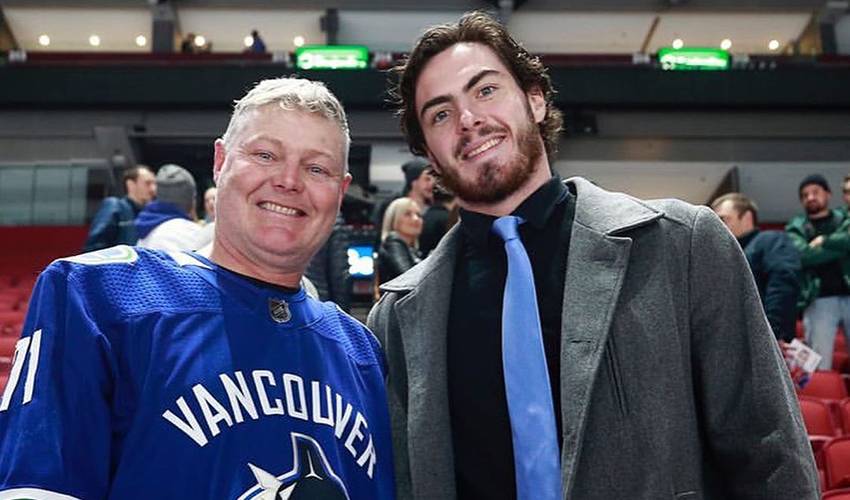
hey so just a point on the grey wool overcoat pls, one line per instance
(672, 385)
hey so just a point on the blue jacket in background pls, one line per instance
(154, 214)
(775, 263)
(113, 224)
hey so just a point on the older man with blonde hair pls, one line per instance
(209, 375)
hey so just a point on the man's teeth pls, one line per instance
(484, 147)
(279, 208)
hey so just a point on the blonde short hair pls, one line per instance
(292, 94)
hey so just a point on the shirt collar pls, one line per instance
(535, 209)
(745, 239)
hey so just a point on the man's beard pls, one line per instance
(813, 208)
(495, 182)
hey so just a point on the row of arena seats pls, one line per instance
(825, 407)
(15, 291)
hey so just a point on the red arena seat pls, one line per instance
(825, 385)
(836, 458)
(840, 494)
(818, 417)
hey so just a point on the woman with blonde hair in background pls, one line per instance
(400, 232)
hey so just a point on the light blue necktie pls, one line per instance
(535, 439)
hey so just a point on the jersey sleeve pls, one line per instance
(55, 409)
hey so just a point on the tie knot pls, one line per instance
(506, 227)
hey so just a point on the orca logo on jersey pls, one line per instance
(279, 310)
(311, 476)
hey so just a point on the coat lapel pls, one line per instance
(423, 315)
(596, 268)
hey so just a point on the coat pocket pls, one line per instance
(615, 377)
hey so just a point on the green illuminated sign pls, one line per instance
(693, 58)
(331, 57)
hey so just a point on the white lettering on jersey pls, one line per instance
(27, 345)
(340, 423)
(369, 455)
(239, 396)
(355, 433)
(317, 405)
(189, 425)
(288, 381)
(277, 409)
(208, 403)
(321, 404)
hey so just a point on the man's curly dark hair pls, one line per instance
(473, 27)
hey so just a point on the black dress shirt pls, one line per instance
(481, 430)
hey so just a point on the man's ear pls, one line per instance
(218, 159)
(346, 182)
(537, 103)
(749, 219)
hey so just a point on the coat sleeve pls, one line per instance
(811, 257)
(384, 323)
(55, 431)
(749, 413)
(103, 231)
(782, 267)
(839, 241)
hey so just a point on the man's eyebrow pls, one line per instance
(446, 98)
(433, 102)
(477, 78)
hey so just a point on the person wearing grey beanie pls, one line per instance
(168, 223)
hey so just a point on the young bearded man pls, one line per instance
(638, 364)
(210, 375)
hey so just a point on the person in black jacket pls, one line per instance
(328, 270)
(400, 232)
(774, 261)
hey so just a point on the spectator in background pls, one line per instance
(821, 236)
(328, 270)
(400, 232)
(418, 185)
(845, 191)
(258, 46)
(209, 204)
(113, 224)
(774, 261)
(436, 222)
(187, 46)
(169, 222)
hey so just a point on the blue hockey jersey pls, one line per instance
(149, 375)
